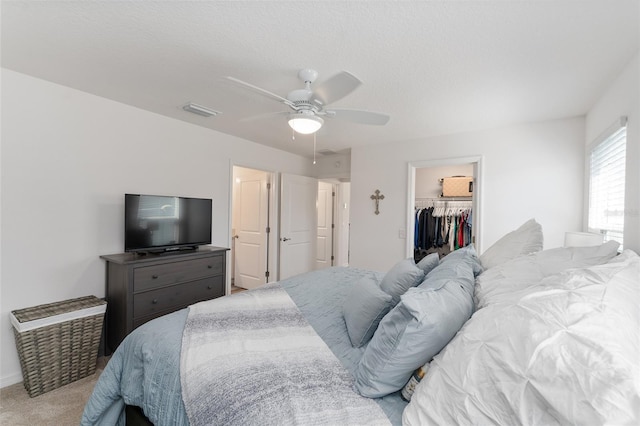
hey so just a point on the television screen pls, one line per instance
(159, 223)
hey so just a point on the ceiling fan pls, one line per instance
(308, 105)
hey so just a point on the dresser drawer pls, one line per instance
(177, 297)
(150, 277)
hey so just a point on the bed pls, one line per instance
(517, 335)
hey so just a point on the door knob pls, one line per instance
(285, 239)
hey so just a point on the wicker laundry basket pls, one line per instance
(58, 342)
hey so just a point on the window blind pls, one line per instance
(607, 165)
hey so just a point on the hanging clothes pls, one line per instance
(442, 228)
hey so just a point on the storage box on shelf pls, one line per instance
(457, 186)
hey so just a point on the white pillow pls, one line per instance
(564, 352)
(526, 239)
(499, 283)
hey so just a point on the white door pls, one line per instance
(324, 249)
(250, 226)
(298, 225)
(342, 202)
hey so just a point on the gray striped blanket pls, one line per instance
(252, 359)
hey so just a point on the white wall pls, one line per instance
(67, 159)
(529, 171)
(622, 98)
(334, 166)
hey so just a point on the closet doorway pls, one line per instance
(425, 190)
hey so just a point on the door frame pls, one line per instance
(341, 206)
(477, 196)
(273, 200)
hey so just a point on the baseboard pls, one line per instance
(11, 379)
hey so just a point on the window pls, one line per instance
(607, 162)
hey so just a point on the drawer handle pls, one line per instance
(155, 277)
(210, 266)
(209, 287)
(154, 301)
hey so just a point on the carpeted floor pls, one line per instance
(235, 289)
(59, 407)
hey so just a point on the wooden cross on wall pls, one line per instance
(377, 196)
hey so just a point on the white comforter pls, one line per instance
(562, 349)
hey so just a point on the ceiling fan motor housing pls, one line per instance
(308, 75)
(300, 95)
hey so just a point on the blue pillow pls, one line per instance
(466, 255)
(363, 309)
(417, 329)
(401, 277)
(429, 262)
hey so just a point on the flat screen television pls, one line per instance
(157, 223)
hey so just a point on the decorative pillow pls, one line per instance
(499, 284)
(526, 239)
(564, 351)
(401, 277)
(429, 262)
(466, 254)
(424, 321)
(363, 309)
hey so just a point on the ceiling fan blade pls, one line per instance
(335, 88)
(260, 90)
(359, 116)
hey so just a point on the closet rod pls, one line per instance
(444, 199)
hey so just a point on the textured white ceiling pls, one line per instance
(435, 67)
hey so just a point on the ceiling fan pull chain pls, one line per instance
(293, 135)
(314, 148)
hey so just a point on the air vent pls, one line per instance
(326, 152)
(200, 110)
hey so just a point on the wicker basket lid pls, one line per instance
(56, 308)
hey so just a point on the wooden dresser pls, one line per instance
(143, 287)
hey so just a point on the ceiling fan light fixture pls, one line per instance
(305, 123)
